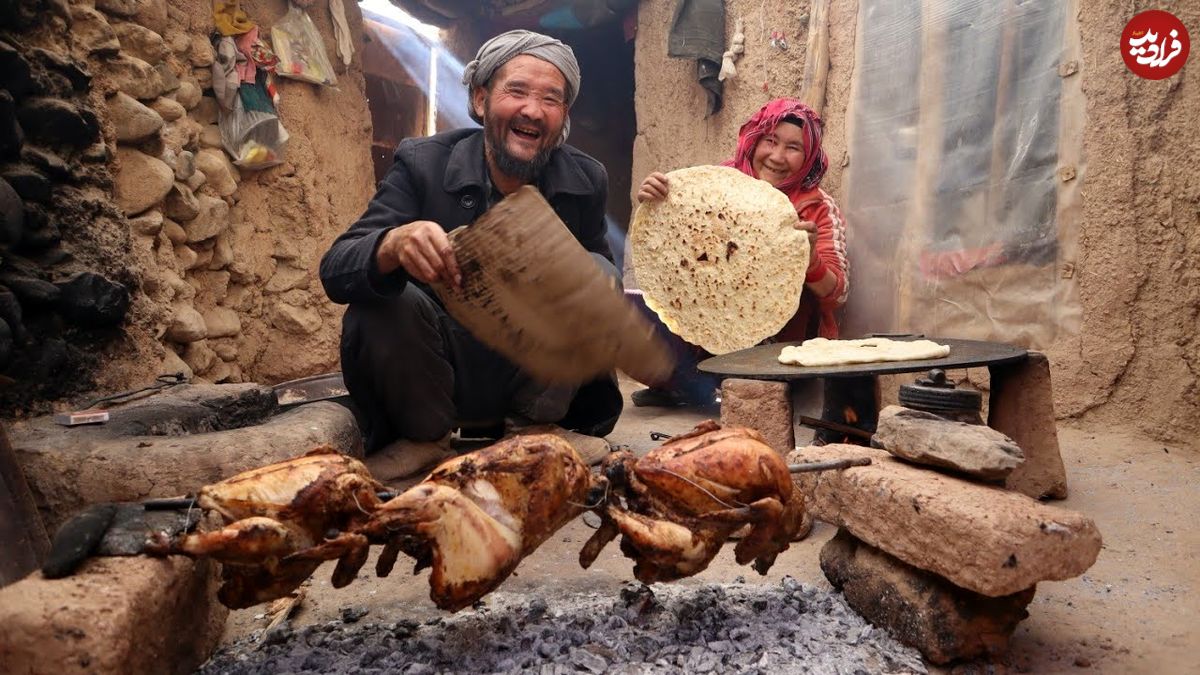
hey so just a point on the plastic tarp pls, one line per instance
(962, 191)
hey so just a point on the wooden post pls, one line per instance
(816, 60)
(23, 541)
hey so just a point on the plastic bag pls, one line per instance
(255, 138)
(300, 49)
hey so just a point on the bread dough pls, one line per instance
(823, 352)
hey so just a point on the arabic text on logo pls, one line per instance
(1155, 44)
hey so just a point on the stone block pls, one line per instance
(169, 445)
(1022, 406)
(141, 181)
(922, 610)
(925, 438)
(762, 405)
(127, 615)
(982, 538)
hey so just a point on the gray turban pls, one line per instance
(502, 48)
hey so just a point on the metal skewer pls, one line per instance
(832, 465)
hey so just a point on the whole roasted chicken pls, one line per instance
(476, 516)
(685, 498)
(281, 522)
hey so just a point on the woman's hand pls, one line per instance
(653, 188)
(811, 228)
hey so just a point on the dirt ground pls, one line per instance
(1135, 611)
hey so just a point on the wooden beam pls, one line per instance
(816, 60)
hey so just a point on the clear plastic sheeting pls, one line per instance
(962, 190)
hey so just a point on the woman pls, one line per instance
(781, 144)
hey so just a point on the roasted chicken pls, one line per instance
(676, 506)
(476, 516)
(281, 522)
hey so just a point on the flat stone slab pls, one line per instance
(925, 438)
(762, 405)
(921, 609)
(982, 538)
(168, 447)
(115, 615)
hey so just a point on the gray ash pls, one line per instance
(718, 628)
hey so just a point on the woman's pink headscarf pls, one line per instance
(764, 122)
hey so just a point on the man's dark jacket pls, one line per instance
(443, 178)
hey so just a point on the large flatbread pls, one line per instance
(822, 352)
(720, 259)
(531, 292)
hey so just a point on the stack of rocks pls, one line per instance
(930, 545)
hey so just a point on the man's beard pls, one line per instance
(523, 170)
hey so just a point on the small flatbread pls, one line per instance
(822, 352)
(720, 259)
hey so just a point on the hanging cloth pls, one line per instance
(341, 31)
(698, 32)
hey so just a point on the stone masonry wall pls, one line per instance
(219, 265)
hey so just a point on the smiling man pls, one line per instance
(415, 373)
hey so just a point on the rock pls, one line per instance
(174, 231)
(762, 405)
(1022, 406)
(124, 8)
(218, 372)
(55, 122)
(10, 311)
(185, 166)
(91, 301)
(172, 364)
(181, 204)
(921, 609)
(222, 322)
(11, 135)
(222, 252)
(182, 134)
(227, 350)
(6, 344)
(97, 153)
(197, 179)
(155, 611)
(292, 319)
(141, 181)
(31, 184)
(203, 77)
(48, 162)
(187, 257)
(170, 81)
(222, 175)
(206, 110)
(132, 121)
(40, 232)
(153, 15)
(142, 42)
(135, 77)
(210, 137)
(149, 223)
(91, 32)
(213, 218)
(188, 94)
(201, 54)
(15, 76)
(32, 292)
(211, 285)
(199, 356)
(64, 74)
(204, 255)
(925, 438)
(12, 214)
(178, 41)
(981, 538)
(285, 250)
(167, 108)
(286, 278)
(187, 325)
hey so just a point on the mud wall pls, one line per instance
(1136, 360)
(219, 263)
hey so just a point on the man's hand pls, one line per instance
(811, 228)
(653, 188)
(423, 250)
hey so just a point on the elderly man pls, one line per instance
(413, 371)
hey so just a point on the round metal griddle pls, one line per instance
(762, 362)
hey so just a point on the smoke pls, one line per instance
(417, 47)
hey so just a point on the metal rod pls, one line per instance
(834, 426)
(832, 465)
(169, 504)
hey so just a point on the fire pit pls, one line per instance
(743, 628)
